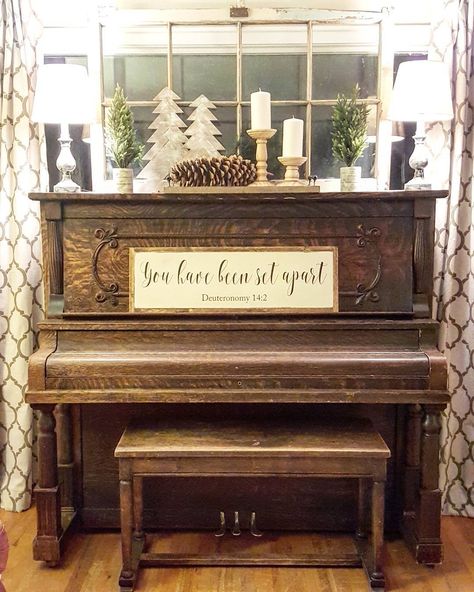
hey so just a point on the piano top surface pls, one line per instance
(250, 193)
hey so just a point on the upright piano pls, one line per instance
(99, 362)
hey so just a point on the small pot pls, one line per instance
(123, 180)
(351, 178)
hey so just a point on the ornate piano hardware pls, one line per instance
(108, 291)
(369, 237)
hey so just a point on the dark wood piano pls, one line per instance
(98, 364)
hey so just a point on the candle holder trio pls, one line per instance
(292, 163)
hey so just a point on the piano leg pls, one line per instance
(422, 515)
(65, 455)
(47, 544)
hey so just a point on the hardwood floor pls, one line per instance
(92, 564)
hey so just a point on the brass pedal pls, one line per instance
(236, 528)
(253, 526)
(221, 531)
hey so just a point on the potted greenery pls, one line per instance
(349, 133)
(122, 143)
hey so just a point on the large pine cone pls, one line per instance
(223, 171)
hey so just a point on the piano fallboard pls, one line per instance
(333, 361)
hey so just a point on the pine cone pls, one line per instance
(223, 171)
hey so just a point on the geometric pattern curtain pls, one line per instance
(452, 147)
(22, 170)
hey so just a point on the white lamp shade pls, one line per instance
(422, 92)
(63, 95)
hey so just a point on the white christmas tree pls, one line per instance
(202, 141)
(168, 141)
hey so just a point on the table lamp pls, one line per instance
(422, 93)
(63, 95)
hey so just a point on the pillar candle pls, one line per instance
(260, 110)
(293, 137)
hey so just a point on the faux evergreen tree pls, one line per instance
(168, 141)
(202, 141)
(121, 138)
(349, 127)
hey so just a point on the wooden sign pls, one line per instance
(262, 279)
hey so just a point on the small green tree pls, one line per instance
(121, 136)
(349, 127)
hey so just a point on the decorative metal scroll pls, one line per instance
(108, 291)
(364, 238)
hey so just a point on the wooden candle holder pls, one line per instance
(292, 164)
(261, 136)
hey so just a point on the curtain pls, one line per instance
(452, 145)
(21, 170)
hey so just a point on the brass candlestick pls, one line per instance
(292, 174)
(261, 136)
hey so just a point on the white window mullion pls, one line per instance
(383, 145)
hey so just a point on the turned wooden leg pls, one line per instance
(428, 507)
(65, 454)
(378, 502)
(138, 508)
(362, 509)
(127, 575)
(46, 546)
(411, 484)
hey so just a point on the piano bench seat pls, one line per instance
(345, 449)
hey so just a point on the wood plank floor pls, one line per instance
(93, 560)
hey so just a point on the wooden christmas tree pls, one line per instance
(202, 141)
(168, 141)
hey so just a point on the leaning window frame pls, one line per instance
(309, 18)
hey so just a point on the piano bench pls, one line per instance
(346, 449)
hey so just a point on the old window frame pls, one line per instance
(310, 18)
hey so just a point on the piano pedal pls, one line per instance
(236, 529)
(221, 531)
(253, 526)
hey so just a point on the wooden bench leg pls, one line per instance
(127, 575)
(376, 576)
(138, 533)
(362, 508)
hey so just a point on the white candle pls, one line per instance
(260, 110)
(293, 137)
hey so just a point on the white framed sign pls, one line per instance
(258, 279)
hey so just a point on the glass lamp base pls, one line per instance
(417, 184)
(66, 185)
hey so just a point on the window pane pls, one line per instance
(335, 73)
(205, 62)
(274, 59)
(135, 59)
(323, 163)
(275, 144)
(77, 60)
(141, 77)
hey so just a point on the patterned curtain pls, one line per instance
(21, 170)
(452, 145)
